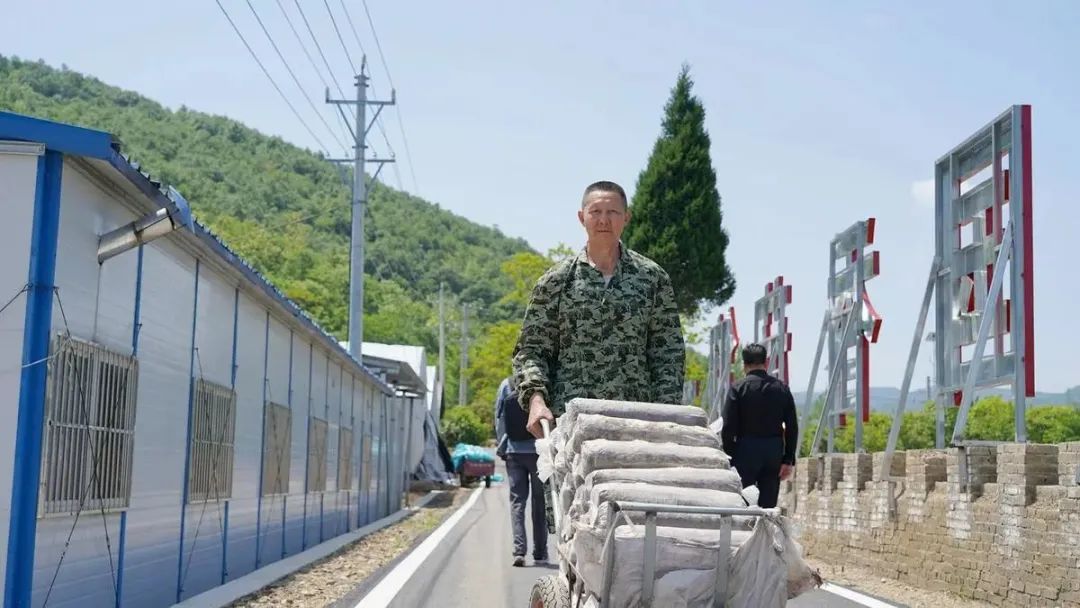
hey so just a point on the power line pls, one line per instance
(329, 70)
(348, 18)
(296, 80)
(390, 79)
(271, 78)
(311, 59)
(340, 39)
(318, 47)
(378, 45)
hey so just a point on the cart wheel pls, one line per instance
(487, 481)
(550, 592)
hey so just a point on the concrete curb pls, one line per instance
(252, 582)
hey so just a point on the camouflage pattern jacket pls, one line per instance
(581, 338)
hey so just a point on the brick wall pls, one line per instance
(1007, 534)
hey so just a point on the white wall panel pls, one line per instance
(98, 304)
(98, 300)
(18, 174)
(251, 347)
(204, 528)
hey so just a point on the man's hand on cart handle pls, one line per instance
(538, 410)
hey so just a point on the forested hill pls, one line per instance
(285, 209)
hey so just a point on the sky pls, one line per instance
(820, 114)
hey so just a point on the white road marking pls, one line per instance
(855, 596)
(395, 580)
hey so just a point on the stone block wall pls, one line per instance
(1008, 534)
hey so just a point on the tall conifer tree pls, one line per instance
(676, 208)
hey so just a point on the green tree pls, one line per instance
(523, 269)
(676, 217)
(875, 434)
(489, 365)
(990, 419)
(560, 252)
(461, 425)
(1053, 424)
(697, 369)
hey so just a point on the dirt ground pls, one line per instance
(330, 579)
(866, 582)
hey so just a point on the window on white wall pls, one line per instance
(316, 472)
(213, 428)
(277, 449)
(89, 428)
(345, 461)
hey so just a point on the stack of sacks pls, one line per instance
(661, 454)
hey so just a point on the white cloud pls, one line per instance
(922, 192)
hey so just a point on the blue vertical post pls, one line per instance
(307, 448)
(262, 449)
(187, 444)
(235, 336)
(136, 325)
(225, 547)
(120, 559)
(285, 498)
(22, 529)
(352, 449)
(232, 384)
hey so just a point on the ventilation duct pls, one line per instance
(174, 216)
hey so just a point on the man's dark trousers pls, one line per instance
(758, 461)
(521, 469)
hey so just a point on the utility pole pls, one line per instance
(464, 353)
(442, 346)
(359, 198)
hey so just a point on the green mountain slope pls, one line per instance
(286, 210)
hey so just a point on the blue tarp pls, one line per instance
(472, 453)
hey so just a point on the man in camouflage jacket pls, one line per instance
(602, 324)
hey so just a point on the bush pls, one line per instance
(461, 425)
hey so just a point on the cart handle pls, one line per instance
(545, 427)
(659, 508)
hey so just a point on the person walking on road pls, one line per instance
(760, 429)
(517, 448)
(602, 324)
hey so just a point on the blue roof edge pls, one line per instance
(81, 141)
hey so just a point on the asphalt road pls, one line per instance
(479, 571)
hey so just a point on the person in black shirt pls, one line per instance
(760, 427)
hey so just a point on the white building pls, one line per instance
(169, 421)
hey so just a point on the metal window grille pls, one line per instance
(213, 428)
(277, 449)
(345, 450)
(89, 428)
(316, 473)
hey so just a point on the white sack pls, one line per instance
(685, 562)
(604, 454)
(652, 412)
(595, 426)
(724, 480)
(601, 512)
(751, 494)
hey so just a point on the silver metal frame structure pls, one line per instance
(771, 326)
(849, 327)
(983, 230)
(723, 348)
